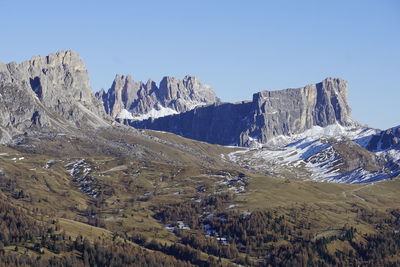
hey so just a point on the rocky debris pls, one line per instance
(128, 99)
(81, 170)
(47, 92)
(201, 189)
(354, 156)
(49, 164)
(178, 225)
(269, 114)
(237, 184)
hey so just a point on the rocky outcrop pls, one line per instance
(270, 114)
(384, 140)
(292, 111)
(128, 99)
(51, 92)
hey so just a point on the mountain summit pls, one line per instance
(47, 92)
(128, 99)
(268, 115)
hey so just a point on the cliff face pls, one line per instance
(46, 92)
(270, 114)
(127, 99)
(219, 123)
(292, 111)
(53, 92)
(383, 140)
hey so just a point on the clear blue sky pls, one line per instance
(238, 47)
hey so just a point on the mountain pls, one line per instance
(48, 107)
(47, 102)
(268, 115)
(51, 92)
(384, 140)
(334, 154)
(128, 99)
(304, 133)
(79, 189)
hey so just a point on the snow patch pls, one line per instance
(310, 155)
(155, 113)
(125, 115)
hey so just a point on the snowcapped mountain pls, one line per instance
(329, 154)
(303, 133)
(131, 100)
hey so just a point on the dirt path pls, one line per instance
(118, 168)
(352, 192)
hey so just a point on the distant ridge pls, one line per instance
(129, 99)
(269, 114)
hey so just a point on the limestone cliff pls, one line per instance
(292, 111)
(51, 91)
(269, 114)
(129, 99)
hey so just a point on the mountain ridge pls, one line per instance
(269, 114)
(47, 101)
(129, 99)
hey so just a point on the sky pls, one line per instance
(238, 47)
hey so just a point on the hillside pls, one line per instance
(80, 189)
(152, 203)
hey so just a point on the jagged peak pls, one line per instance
(59, 58)
(167, 80)
(187, 79)
(333, 79)
(150, 81)
(334, 83)
(176, 94)
(123, 77)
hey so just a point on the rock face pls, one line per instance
(218, 123)
(389, 139)
(51, 92)
(270, 114)
(128, 99)
(293, 111)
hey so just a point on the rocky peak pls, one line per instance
(127, 99)
(123, 92)
(57, 84)
(170, 88)
(52, 77)
(292, 111)
(270, 114)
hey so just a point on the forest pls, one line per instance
(207, 234)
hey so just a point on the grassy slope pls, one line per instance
(328, 205)
(167, 174)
